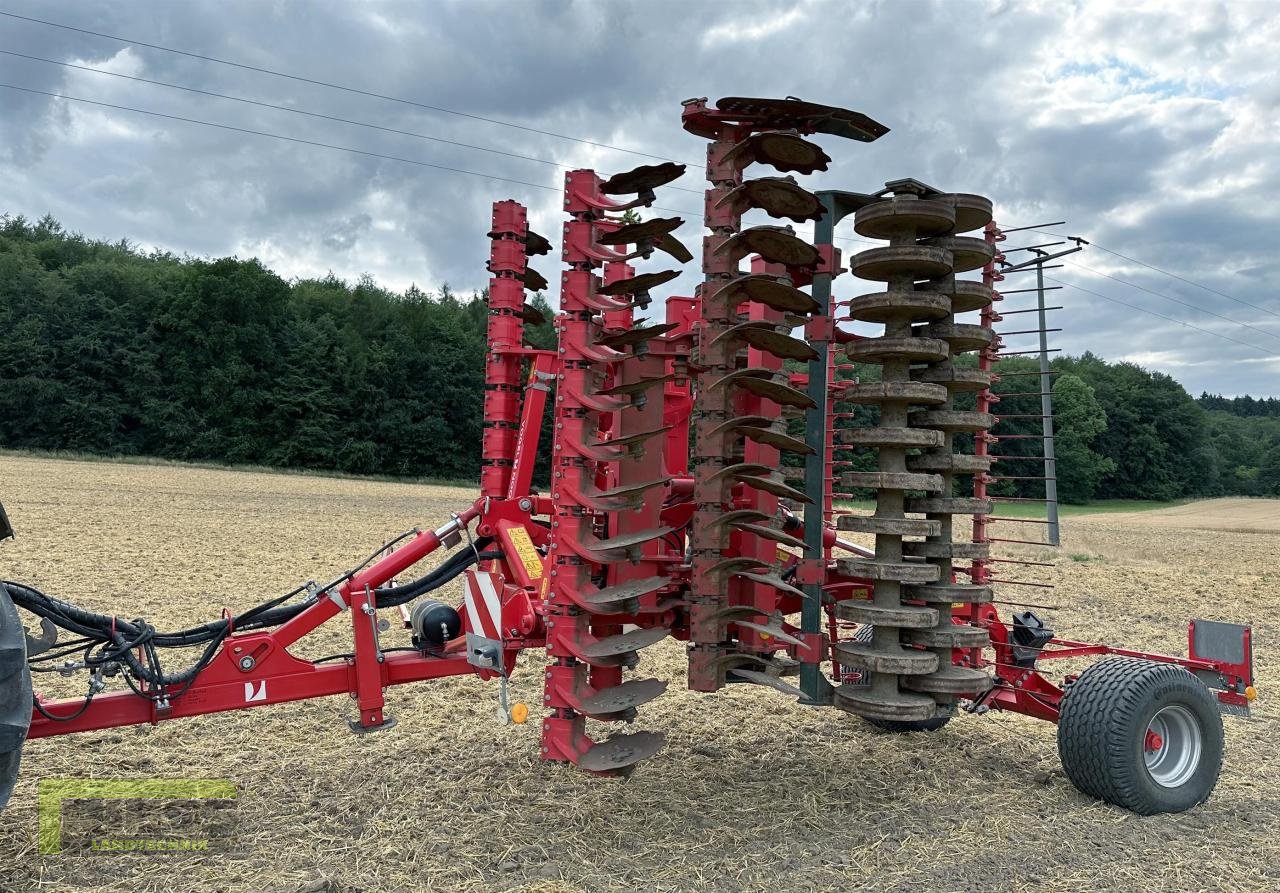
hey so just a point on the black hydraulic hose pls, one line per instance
(120, 639)
(391, 596)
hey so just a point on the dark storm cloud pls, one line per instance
(1150, 128)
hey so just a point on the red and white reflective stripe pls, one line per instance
(484, 606)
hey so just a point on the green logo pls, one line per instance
(113, 796)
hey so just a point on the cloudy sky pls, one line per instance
(1152, 128)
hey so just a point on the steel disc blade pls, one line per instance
(795, 112)
(770, 630)
(771, 580)
(633, 539)
(770, 533)
(621, 752)
(783, 150)
(622, 697)
(775, 485)
(674, 247)
(633, 439)
(776, 244)
(767, 290)
(623, 643)
(740, 516)
(536, 244)
(644, 178)
(738, 565)
(637, 284)
(755, 676)
(636, 335)
(635, 387)
(766, 337)
(769, 386)
(532, 315)
(534, 281)
(625, 592)
(637, 233)
(777, 197)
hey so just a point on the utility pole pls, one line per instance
(1038, 261)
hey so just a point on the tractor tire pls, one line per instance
(1142, 735)
(15, 694)
(898, 726)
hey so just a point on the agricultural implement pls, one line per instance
(670, 512)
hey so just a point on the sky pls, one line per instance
(1151, 128)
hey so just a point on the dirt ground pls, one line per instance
(1231, 515)
(751, 793)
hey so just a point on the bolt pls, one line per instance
(246, 662)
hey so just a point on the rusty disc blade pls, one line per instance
(674, 247)
(630, 489)
(776, 244)
(625, 592)
(768, 290)
(643, 178)
(621, 752)
(783, 150)
(777, 197)
(771, 580)
(770, 533)
(769, 386)
(634, 538)
(774, 484)
(644, 231)
(622, 697)
(766, 337)
(761, 429)
(536, 244)
(636, 335)
(534, 281)
(737, 565)
(612, 646)
(635, 387)
(637, 284)
(633, 439)
(532, 315)
(740, 516)
(812, 115)
(767, 629)
(758, 678)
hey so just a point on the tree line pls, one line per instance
(111, 350)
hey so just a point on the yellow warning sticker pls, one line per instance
(528, 553)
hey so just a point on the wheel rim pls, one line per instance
(1172, 746)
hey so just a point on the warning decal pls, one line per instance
(528, 553)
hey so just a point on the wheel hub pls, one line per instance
(1172, 746)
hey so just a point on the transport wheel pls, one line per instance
(864, 634)
(15, 694)
(1146, 736)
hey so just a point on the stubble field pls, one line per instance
(751, 793)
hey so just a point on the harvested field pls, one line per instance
(1232, 515)
(752, 792)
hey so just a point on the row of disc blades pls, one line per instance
(907, 667)
(595, 483)
(739, 404)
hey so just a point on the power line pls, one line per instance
(291, 139)
(1143, 263)
(332, 86)
(1174, 300)
(309, 114)
(1188, 281)
(1160, 315)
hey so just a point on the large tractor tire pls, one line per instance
(864, 634)
(15, 694)
(1146, 736)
